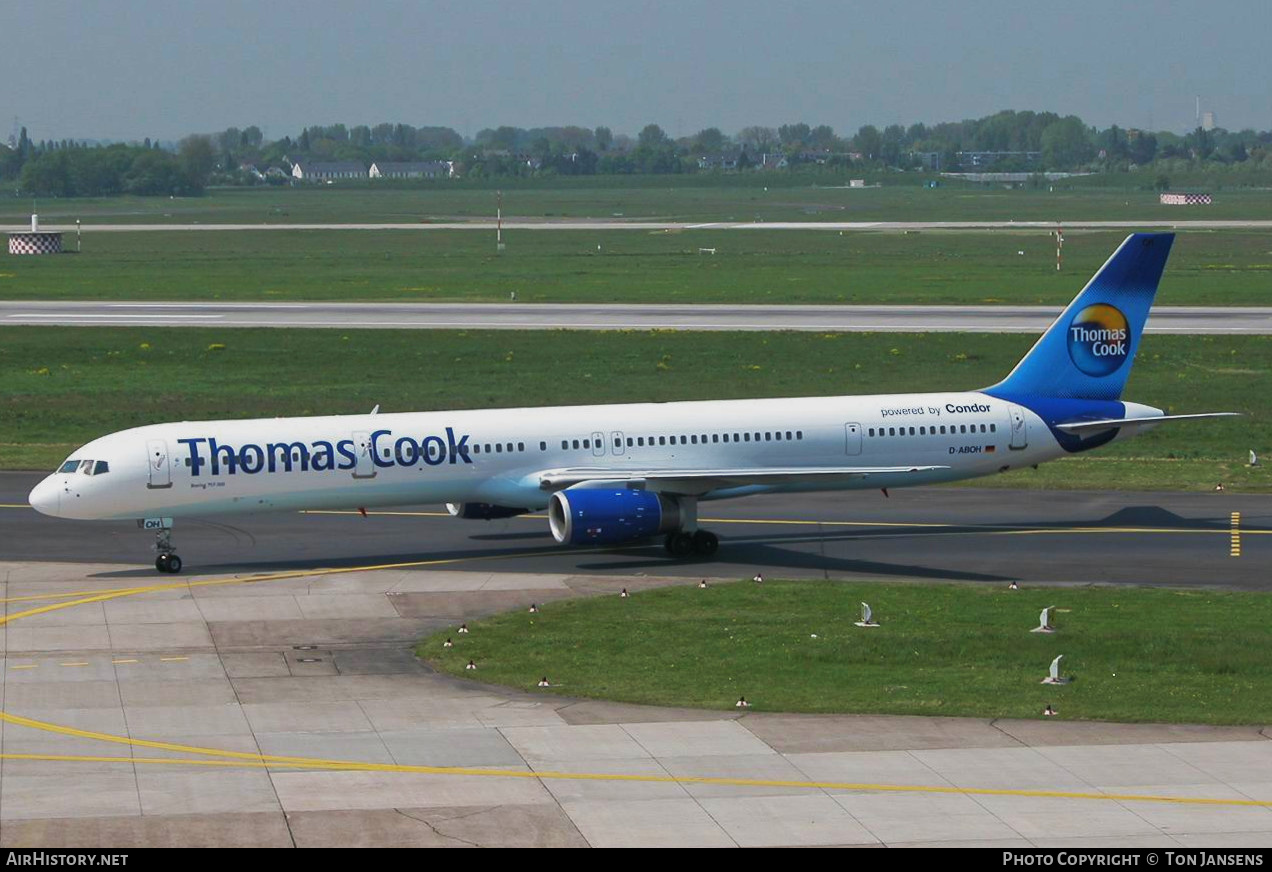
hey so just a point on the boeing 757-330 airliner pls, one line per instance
(622, 473)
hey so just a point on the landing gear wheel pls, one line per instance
(168, 563)
(705, 543)
(679, 544)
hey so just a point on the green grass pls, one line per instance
(65, 386)
(1206, 268)
(1136, 654)
(672, 198)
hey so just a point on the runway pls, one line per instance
(269, 695)
(958, 534)
(568, 316)
(647, 226)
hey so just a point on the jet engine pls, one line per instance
(608, 516)
(482, 511)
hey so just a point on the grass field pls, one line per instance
(1206, 268)
(1137, 654)
(64, 386)
(672, 198)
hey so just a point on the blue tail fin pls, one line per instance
(1087, 352)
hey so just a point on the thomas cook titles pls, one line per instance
(1099, 340)
(321, 455)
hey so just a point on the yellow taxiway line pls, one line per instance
(264, 761)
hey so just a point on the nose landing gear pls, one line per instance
(167, 561)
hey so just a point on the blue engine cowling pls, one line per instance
(610, 515)
(482, 511)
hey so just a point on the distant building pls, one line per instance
(314, 171)
(986, 159)
(718, 162)
(773, 161)
(928, 160)
(427, 169)
(1207, 121)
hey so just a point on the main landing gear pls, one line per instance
(689, 539)
(167, 561)
(700, 543)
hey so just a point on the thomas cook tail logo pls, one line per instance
(1099, 340)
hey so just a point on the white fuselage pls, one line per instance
(498, 456)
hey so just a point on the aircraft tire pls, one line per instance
(679, 544)
(705, 543)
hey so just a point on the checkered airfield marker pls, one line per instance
(40, 242)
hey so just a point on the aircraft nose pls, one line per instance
(46, 497)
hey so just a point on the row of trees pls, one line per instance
(69, 169)
(1038, 141)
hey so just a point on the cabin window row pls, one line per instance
(954, 430)
(692, 439)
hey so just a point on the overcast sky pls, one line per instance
(127, 69)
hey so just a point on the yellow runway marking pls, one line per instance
(168, 659)
(264, 761)
(224, 758)
(117, 662)
(26, 666)
(1235, 544)
(76, 663)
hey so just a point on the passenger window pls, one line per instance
(993, 429)
(872, 431)
(476, 449)
(982, 428)
(757, 437)
(521, 446)
(662, 440)
(629, 441)
(942, 429)
(715, 437)
(768, 437)
(640, 440)
(587, 443)
(746, 437)
(498, 448)
(564, 444)
(684, 440)
(788, 435)
(576, 445)
(912, 431)
(694, 438)
(799, 434)
(962, 428)
(543, 446)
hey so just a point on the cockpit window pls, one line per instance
(101, 467)
(86, 467)
(69, 466)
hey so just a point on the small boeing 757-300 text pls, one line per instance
(622, 473)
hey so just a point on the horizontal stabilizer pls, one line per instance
(696, 481)
(1112, 423)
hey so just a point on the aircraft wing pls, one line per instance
(700, 481)
(1110, 423)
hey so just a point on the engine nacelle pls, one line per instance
(482, 511)
(607, 516)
